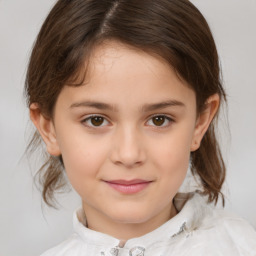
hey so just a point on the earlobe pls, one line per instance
(46, 129)
(204, 120)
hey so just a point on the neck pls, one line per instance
(126, 230)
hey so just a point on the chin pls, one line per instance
(131, 216)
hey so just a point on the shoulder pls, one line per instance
(69, 247)
(230, 232)
(231, 222)
(216, 231)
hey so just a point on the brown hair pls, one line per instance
(175, 30)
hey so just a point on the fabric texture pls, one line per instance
(198, 229)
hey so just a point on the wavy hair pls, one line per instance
(175, 30)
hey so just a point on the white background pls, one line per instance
(27, 228)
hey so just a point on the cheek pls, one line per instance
(83, 158)
(171, 159)
(174, 151)
(172, 167)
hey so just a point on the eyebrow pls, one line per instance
(162, 105)
(145, 108)
(92, 104)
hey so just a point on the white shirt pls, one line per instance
(199, 229)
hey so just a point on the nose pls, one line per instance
(127, 148)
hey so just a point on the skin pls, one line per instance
(129, 142)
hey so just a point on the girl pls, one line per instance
(125, 94)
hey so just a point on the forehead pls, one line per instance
(112, 56)
(117, 73)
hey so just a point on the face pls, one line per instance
(126, 135)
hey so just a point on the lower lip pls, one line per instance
(129, 189)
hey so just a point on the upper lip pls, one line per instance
(128, 182)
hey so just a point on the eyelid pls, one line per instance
(88, 117)
(170, 120)
(85, 119)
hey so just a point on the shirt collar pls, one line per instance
(191, 210)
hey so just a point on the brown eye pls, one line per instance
(95, 121)
(159, 121)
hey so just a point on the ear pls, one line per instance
(46, 129)
(204, 120)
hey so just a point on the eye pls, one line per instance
(159, 121)
(95, 121)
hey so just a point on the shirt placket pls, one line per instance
(135, 251)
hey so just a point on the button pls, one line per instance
(114, 251)
(137, 251)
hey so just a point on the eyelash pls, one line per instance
(166, 119)
(89, 119)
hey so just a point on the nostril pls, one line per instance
(127, 148)
(129, 164)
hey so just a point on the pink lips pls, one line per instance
(128, 187)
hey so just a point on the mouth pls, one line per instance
(128, 186)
